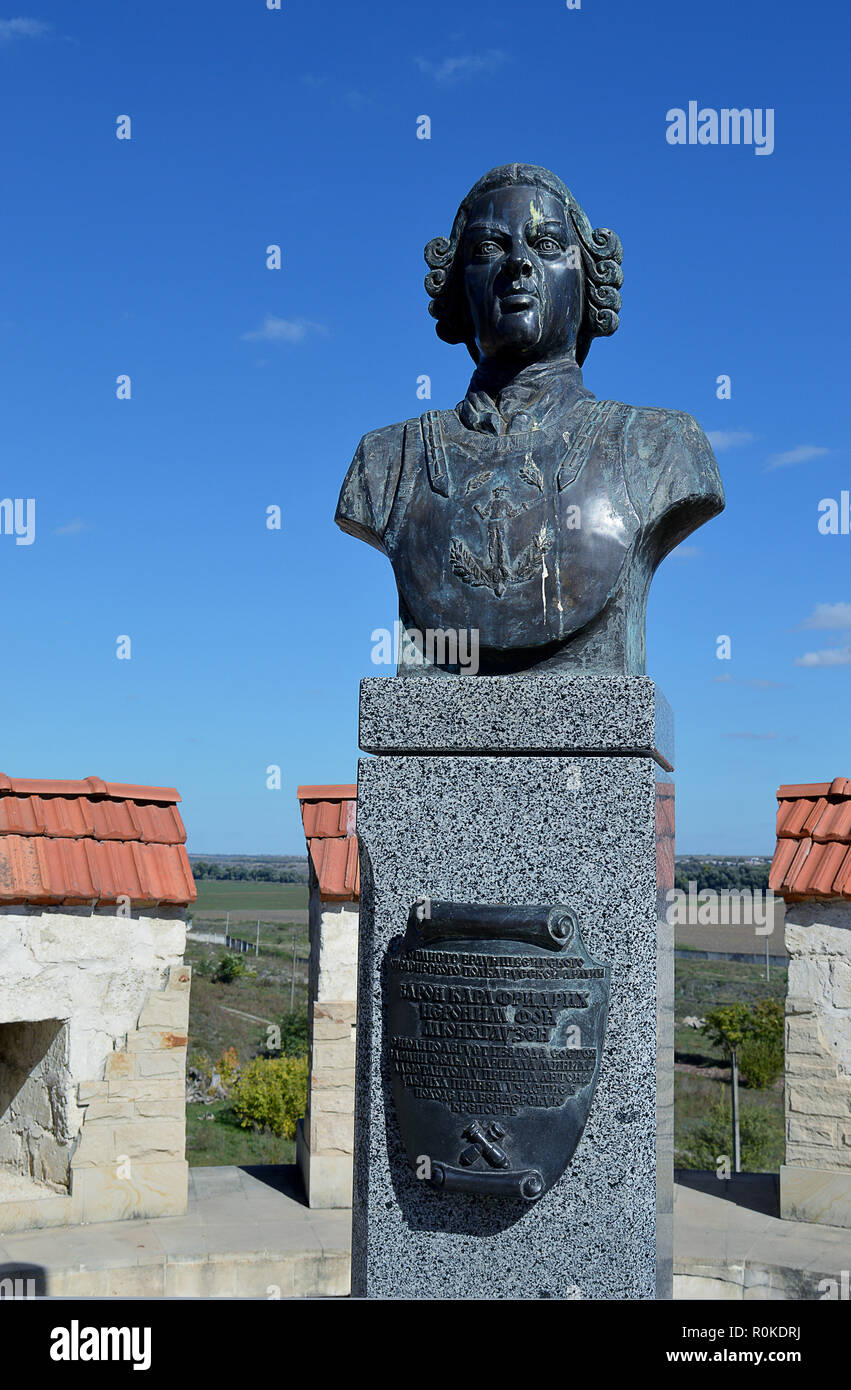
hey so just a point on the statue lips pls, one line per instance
(517, 300)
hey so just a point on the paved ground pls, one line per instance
(248, 1234)
(729, 1242)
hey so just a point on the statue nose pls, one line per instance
(519, 265)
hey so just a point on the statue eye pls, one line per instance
(488, 248)
(547, 243)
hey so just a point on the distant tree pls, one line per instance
(728, 1027)
(247, 873)
(720, 877)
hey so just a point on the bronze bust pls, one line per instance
(532, 514)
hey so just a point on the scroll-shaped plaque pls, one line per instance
(495, 1026)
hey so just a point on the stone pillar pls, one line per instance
(541, 790)
(815, 1181)
(131, 1157)
(324, 1138)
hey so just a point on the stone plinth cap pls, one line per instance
(546, 714)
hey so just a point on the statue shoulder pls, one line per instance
(369, 487)
(385, 441)
(652, 424)
(671, 467)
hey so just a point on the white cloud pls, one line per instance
(72, 528)
(455, 69)
(11, 29)
(831, 617)
(828, 656)
(277, 330)
(686, 552)
(722, 440)
(802, 453)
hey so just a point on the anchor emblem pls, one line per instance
(498, 571)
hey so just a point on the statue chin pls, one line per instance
(512, 340)
(524, 338)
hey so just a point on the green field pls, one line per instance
(222, 895)
(214, 1136)
(237, 1014)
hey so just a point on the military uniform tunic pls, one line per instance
(535, 516)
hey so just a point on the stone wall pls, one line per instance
(35, 1086)
(113, 993)
(815, 1182)
(326, 1134)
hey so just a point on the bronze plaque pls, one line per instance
(495, 1024)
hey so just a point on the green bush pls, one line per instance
(271, 1094)
(294, 1034)
(768, 1020)
(714, 1137)
(229, 969)
(761, 1062)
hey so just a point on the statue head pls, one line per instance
(522, 276)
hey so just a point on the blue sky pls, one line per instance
(252, 387)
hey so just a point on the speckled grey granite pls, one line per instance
(524, 829)
(538, 714)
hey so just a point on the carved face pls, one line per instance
(520, 274)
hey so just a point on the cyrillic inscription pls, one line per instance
(488, 1047)
(495, 1022)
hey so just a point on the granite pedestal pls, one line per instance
(541, 790)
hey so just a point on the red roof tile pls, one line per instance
(91, 842)
(791, 816)
(339, 791)
(325, 820)
(665, 829)
(329, 814)
(842, 881)
(337, 868)
(835, 824)
(783, 856)
(813, 854)
(90, 786)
